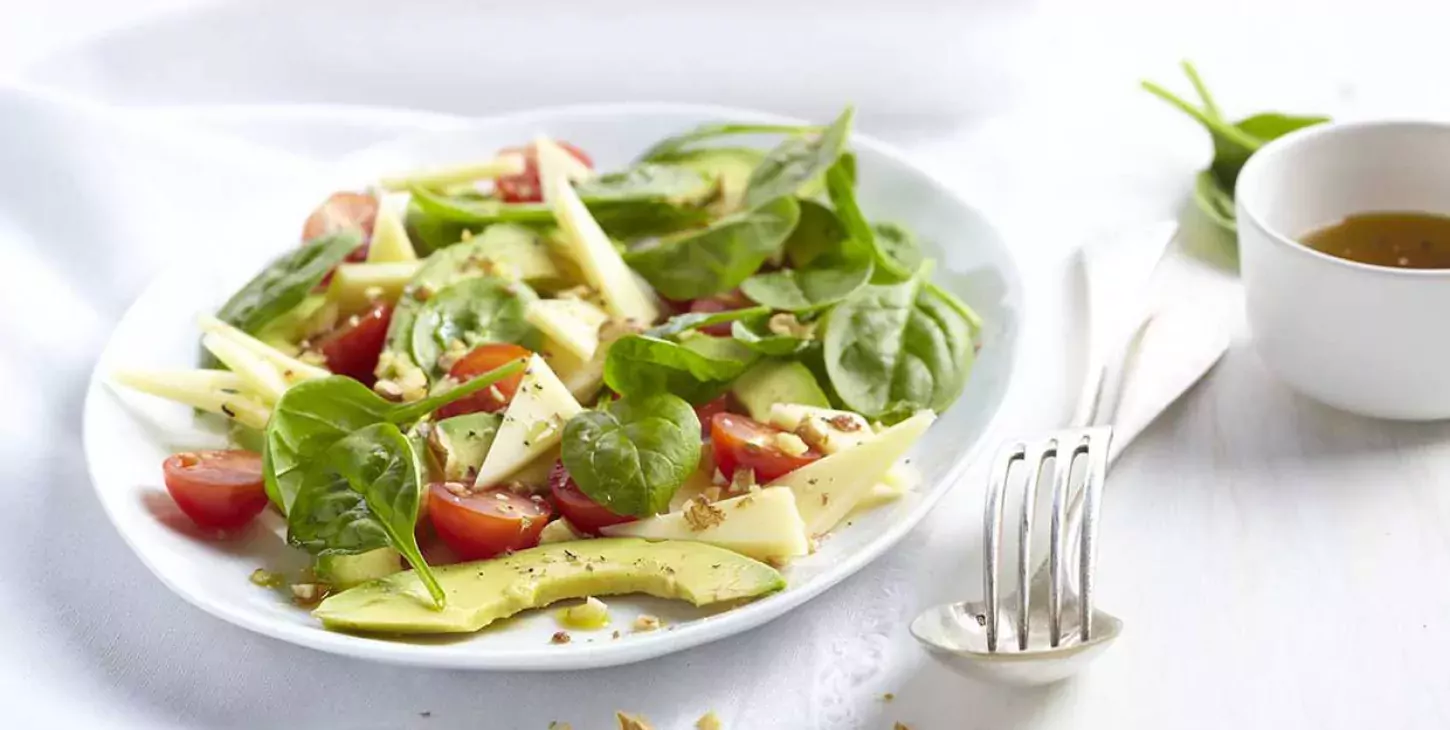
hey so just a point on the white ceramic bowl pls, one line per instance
(1366, 339)
(128, 435)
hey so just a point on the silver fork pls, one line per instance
(1063, 450)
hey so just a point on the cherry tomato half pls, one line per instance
(741, 443)
(477, 362)
(479, 525)
(729, 301)
(583, 513)
(218, 489)
(353, 348)
(706, 411)
(524, 187)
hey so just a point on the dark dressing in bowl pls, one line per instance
(1396, 240)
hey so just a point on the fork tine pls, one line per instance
(1033, 458)
(1099, 441)
(1067, 452)
(993, 517)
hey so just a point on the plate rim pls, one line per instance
(639, 648)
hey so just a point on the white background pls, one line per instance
(1279, 565)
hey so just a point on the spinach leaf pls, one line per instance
(796, 161)
(671, 146)
(633, 455)
(898, 244)
(813, 287)
(891, 349)
(644, 199)
(818, 232)
(430, 233)
(312, 415)
(472, 311)
(715, 259)
(841, 188)
(286, 281)
(1233, 144)
(363, 494)
(698, 369)
(756, 335)
(699, 320)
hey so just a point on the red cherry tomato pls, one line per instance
(741, 443)
(524, 187)
(477, 362)
(729, 301)
(480, 525)
(218, 489)
(353, 348)
(583, 513)
(340, 212)
(707, 411)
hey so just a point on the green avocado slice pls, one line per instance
(482, 592)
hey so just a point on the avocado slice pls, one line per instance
(346, 571)
(730, 165)
(777, 381)
(482, 592)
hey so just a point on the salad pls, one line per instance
(480, 389)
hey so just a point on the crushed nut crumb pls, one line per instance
(701, 515)
(646, 622)
(786, 324)
(845, 423)
(559, 637)
(308, 593)
(888, 697)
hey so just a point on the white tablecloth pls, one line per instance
(1279, 565)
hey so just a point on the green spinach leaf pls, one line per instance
(818, 232)
(796, 161)
(312, 415)
(363, 494)
(698, 369)
(715, 259)
(690, 321)
(286, 281)
(1233, 144)
(671, 146)
(841, 188)
(893, 348)
(633, 455)
(472, 311)
(898, 244)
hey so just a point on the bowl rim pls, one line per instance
(695, 633)
(1251, 177)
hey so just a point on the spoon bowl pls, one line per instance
(956, 634)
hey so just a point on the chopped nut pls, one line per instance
(306, 593)
(646, 622)
(846, 423)
(708, 722)
(458, 489)
(632, 722)
(786, 324)
(791, 444)
(388, 389)
(701, 515)
(616, 634)
(888, 697)
(560, 637)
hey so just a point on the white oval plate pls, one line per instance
(128, 435)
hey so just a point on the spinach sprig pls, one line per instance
(632, 455)
(1233, 144)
